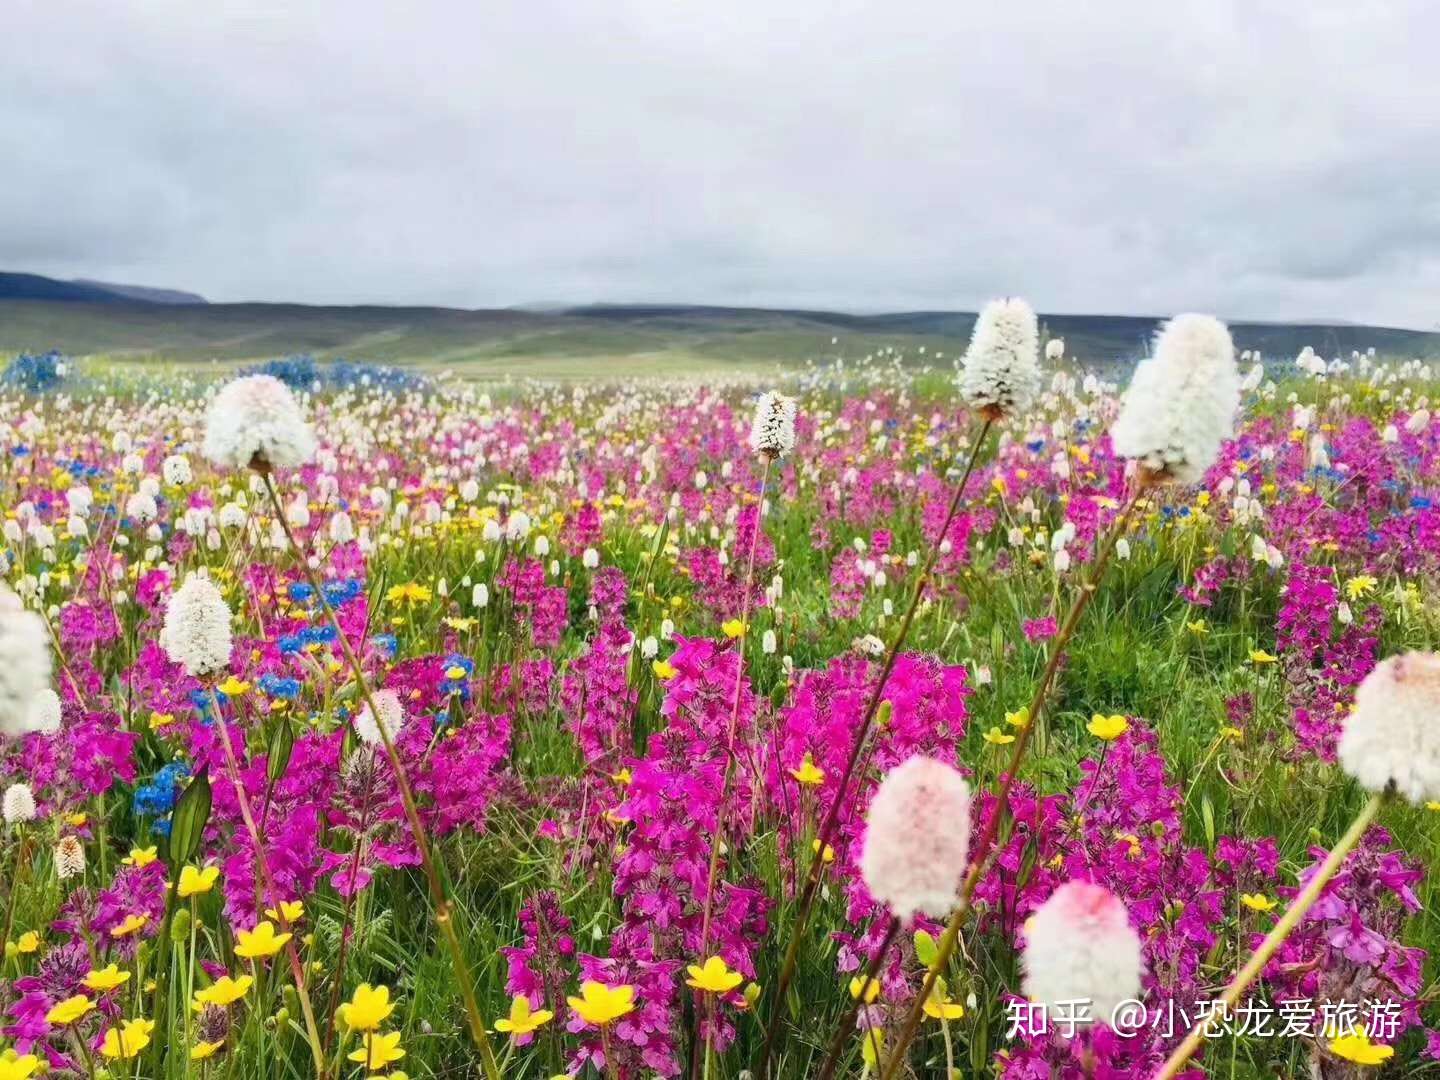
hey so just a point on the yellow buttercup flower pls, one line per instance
(233, 687)
(261, 942)
(106, 979)
(76, 821)
(870, 986)
(938, 1005)
(19, 1068)
(69, 1010)
(368, 1008)
(1197, 626)
(1433, 805)
(714, 977)
(202, 1050)
(808, 773)
(1360, 585)
(378, 1050)
(1356, 1046)
(140, 857)
(224, 990)
(410, 593)
(126, 1041)
(28, 942)
(195, 881)
(1257, 901)
(1019, 718)
(522, 1021)
(996, 737)
(292, 909)
(664, 670)
(1260, 656)
(131, 925)
(733, 628)
(1108, 728)
(828, 855)
(601, 1005)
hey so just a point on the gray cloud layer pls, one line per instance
(1253, 158)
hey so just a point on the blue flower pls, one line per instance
(300, 592)
(280, 687)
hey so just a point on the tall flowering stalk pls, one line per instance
(1179, 409)
(1000, 376)
(255, 422)
(1391, 746)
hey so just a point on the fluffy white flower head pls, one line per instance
(772, 432)
(917, 838)
(1002, 370)
(255, 421)
(24, 664)
(1080, 946)
(196, 633)
(1393, 734)
(18, 805)
(392, 715)
(45, 712)
(1182, 400)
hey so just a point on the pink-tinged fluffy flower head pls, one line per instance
(255, 422)
(917, 838)
(1182, 400)
(392, 716)
(196, 633)
(24, 665)
(1002, 368)
(1393, 734)
(1080, 946)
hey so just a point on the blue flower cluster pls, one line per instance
(460, 685)
(303, 372)
(277, 686)
(157, 798)
(337, 593)
(37, 374)
(311, 635)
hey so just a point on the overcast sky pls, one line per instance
(1256, 159)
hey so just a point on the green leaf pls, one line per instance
(282, 742)
(188, 821)
(925, 948)
(1207, 813)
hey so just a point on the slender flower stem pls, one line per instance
(872, 975)
(232, 767)
(444, 912)
(1281, 930)
(982, 853)
(832, 816)
(730, 756)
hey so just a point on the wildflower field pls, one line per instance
(884, 720)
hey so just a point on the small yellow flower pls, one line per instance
(714, 977)
(1360, 585)
(20, 1068)
(808, 773)
(292, 910)
(938, 1005)
(76, 821)
(69, 1010)
(202, 1050)
(160, 720)
(521, 1020)
(224, 990)
(261, 942)
(996, 737)
(106, 979)
(1107, 728)
(1357, 1047)
(872, 1045)
(624, 777)
(1260, 656)
(410, 593)
(132, 924)
(829, 854)
(233, 687)
(1232, 733)
(733, 628)
(600, 1005)
(1257, 901)
(28, 942)
(195, 881)
(368, 1008)
(140, 857)
(1433, 805)
(870, 986)
(1019, 718)
(460, 625)
(664, 670)
(126, 1041)
(379, 1050)
(1197, 626)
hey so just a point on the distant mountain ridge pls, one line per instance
(15, 286)
(84, 318)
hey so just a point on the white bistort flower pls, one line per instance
(45, 712)
(1393, 733)
(1181, 402)
(1080, 946)
(772, 432)
(176, 469)
(69, 858)
(392, 715)
(24, 664)
(18, 804)
(196, 632)
(917, 838)
(1002, 369)
(256, 422)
